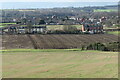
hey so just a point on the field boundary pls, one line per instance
(33, 42)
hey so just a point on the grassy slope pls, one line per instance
(114, 32)
(63, 64)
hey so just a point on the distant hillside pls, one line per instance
(59, 15)
(65, 11)
(112, 7)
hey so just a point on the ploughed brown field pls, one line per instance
(54, 41)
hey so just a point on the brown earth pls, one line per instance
(54, 41)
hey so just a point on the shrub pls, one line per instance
(114, 46)
(97, 46)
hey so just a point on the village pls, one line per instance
(71, 20)
(59, 40)
(25, 26)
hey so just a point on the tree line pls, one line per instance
(113, 46)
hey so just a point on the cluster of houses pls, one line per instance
(18, 29)
(55, 20)
(88, 25)
(92, 28)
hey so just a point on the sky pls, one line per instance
(59, 0)
(22, 4)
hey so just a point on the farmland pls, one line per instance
(6, 24)
(56, 27)
(105, 10)
(49, 27)
(114, 32)
(60, 64)
(60, 42)
(54, 41)
(60, 27)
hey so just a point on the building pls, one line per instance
(92, 27)
(17, 29)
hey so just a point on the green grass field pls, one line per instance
(49, 27)
(105, 10)
(62, 63)
(58, 27)
(2, 25)
(5, 24)
(114, 32)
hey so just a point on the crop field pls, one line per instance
(54, 41)
(60, 64)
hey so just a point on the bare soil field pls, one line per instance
(54, 41)
(60, 64)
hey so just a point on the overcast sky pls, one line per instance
(22, 4)
(59, 0)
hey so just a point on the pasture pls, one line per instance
(6, 24)
(114, 32)
(58, 27)
(49, 27)
(59, 64)
(105, 10)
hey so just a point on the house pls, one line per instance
(92, 28)
(72, 18)
(32, 30)
(17, 29)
